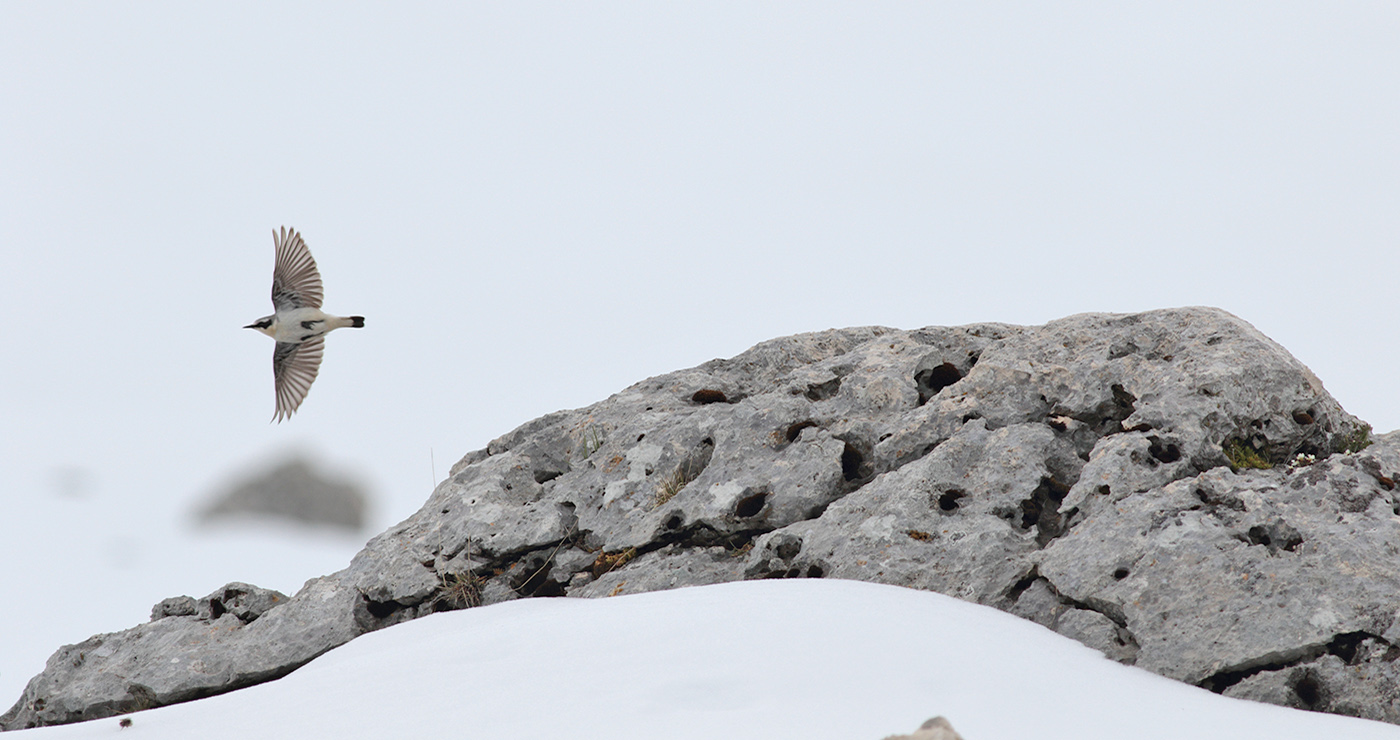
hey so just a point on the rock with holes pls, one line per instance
(1223, 577)
(965, 519)
(1358, 682)
(1090, 474)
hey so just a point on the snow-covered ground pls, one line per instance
(769, 659)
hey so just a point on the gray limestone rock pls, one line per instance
(670, 567)
(190, 648)
(1090, 475)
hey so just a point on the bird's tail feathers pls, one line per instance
(342, 322)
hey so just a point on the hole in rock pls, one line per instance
(538, 582)
(932, 380)
(548, 588)
(948, 501)
(794, 431)
(1166, 452)
(1302, 417)
(709, 395)
(1277, 535)
(381, 609)
(815, 571)
(1309, 690)
(788, 548)
(1042, 510)
(1030, 512)
(1104, 490)
(750, 506)
(851, 461)
(674, 521)
(1347, 645)
(823, 391)
(1021, 586)
(1122, 401)
(1120, 573)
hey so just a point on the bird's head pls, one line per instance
(263, 325)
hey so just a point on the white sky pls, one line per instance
(535, 205)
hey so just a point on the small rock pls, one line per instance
(175, 606)
(937, 728)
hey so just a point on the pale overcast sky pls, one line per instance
(538, 204)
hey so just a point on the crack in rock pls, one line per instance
(1343, 646)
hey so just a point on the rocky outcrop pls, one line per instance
(191, 648)
(1172, 488)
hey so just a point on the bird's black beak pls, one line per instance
(251, 326)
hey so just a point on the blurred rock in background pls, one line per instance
(291, 492)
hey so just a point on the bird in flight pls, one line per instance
(297, 322)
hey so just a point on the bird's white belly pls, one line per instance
(301, 324)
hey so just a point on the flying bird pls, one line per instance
(297, 322)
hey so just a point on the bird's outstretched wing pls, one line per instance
(296, 283)
(294, 368)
